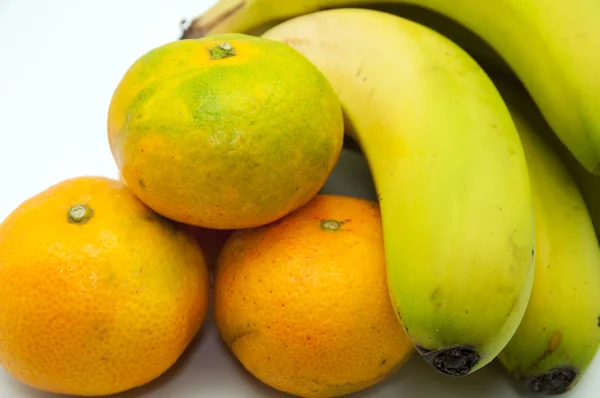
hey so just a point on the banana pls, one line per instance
(477, 48)
(450, 175)
(551, 45)
(560, 332)
(588, 184)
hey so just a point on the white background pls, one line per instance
(59, 64)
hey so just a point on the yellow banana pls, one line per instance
(588, 184)
(449, 171)
(560, 332)
(552, 46)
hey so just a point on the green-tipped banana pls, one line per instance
(552, 46)
(450, 174)
(560, 332)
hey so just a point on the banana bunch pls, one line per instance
(480, 122)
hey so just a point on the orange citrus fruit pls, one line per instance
(225, 132)
(211, 240)
(98, 293)
(303, 302)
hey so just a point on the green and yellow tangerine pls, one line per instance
(229, 142)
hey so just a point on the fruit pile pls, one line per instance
(484, 150)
